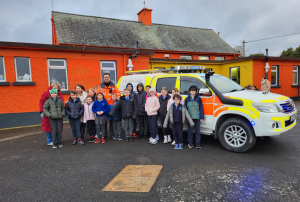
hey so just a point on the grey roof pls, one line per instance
(98, 31)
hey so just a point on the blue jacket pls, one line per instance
(194, 107)
(117, 115)
(101, 106)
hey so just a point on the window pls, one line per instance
(203, 57)
(219, 58)
(57, 72)
(295, 75)
(274, 75)
(235, 74)
(23, 71)
(186, 57)
(187, 82)
(168, 82)
(2, 70)
(109, 67)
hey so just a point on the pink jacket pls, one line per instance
(171, 101)
(152, 105)
(88, 113)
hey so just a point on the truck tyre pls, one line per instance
(236, 135)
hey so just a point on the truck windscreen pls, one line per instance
(223, 84)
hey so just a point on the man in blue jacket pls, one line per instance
(194, 105)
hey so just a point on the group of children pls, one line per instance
(144, 105)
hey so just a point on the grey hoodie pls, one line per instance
(141, 100)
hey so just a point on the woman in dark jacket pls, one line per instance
(46, 127)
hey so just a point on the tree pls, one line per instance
(290, 52)
(258, 54)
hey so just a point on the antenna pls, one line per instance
(144, 6)
(52, 5)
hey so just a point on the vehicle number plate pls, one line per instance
(293, 117)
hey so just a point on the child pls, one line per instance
(143, 118)
(74, 110)
(129, 112)
(151, 107)
(129, 86)
(89, 118)
(162, 112)
(54, 109)
(177, 114)
(100, 108)
(148, 91)
(193, 103)
(116, 120)
(92, 94)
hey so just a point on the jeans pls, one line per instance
(143, 125)
(128, 127)
(49, 137)
(178, 132)
(156, 125)
(82, 130)
(102, 128)
(134, 125)
(153, 125)
(197, 131)
(91, 127)
(166, 131)
(117, 127)
(75, 126)
(56, 125)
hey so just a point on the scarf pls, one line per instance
(263, 82)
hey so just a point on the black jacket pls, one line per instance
(141, 101)
(163, 105)
(132, 93)
(128, 108)
(74, 110)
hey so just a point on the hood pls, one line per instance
(131, 85)
(140, 84)
(71, 100)
(256, 96)
(189, 91)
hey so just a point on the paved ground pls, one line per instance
(33, 171)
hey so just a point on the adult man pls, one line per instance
(265, 84)
(108, 88)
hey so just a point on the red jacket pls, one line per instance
(46, 127)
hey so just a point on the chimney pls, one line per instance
(145, 16)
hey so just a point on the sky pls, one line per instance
(236, 20)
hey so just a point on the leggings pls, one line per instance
(102, 128)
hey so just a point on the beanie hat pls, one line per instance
(53, 91)
(152, 90)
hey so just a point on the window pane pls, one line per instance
(57, 63)
(295, 78)
(23, 70)
(187, 57)
(60, 76)
(186, 83)
(295, 68)
(219, 58)
(169, 83)
(108, 64)
(203, 57)
(112, 75)
(2, 76)
(274, 68)
(273, 78)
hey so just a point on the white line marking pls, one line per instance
(18, 136)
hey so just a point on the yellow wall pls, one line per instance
(246, 68)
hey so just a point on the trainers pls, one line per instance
(165, 140)
(157, 137)
(176, 146)
(198, 146)
(74, 141)
(97, 141)
(80, 142)
(173, 143)
(113, 138)
(179, 146)
(153, 141)
(60, 145)
(50, 144)
(150, 139)
(103, 140)
(191, 145)
(131, 139)
(120, 139)
(54, 146)
(134, 135)
(90, 139)
(169, 138)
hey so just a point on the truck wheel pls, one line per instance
(236, 135)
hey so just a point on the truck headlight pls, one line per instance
(266, 107)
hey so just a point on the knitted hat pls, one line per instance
(152, 90)
(53, 91)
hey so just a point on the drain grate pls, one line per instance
(134, 178)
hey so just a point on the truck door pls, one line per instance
(207, 100)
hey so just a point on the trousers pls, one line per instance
(197, 131)
(178, 132)
(128, 127)
(75, 127)
(56, 126)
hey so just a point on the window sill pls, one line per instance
(29, 83)
(65, 92)
(296, 86)
(4, 84)
(275, 86)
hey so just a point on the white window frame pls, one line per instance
(3, 70)
(219, 57)
(203, 56)
(276, 83)
(16, 69)
(58, 67)
(109, 68)
(297, 75)
(184, 57)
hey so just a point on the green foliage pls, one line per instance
(257, 54)
(290, 52)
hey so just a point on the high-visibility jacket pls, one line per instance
(108, 91)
